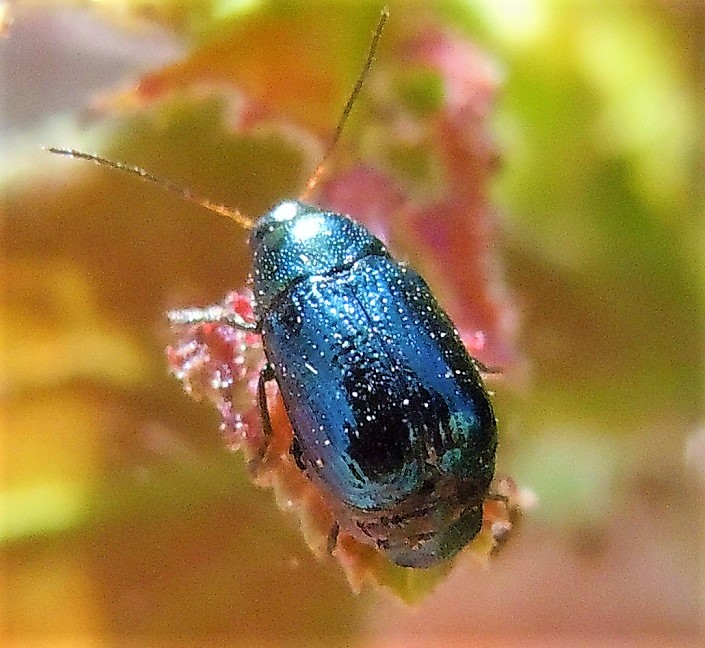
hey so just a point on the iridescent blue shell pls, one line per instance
(390, 416)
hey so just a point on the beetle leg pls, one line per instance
(484, 369)
(497, 497)
(333, 537)
(297, 454)
(210, 315)
(265, 376)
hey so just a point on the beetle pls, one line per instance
(390, 417)
(389, 412)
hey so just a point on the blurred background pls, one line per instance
(122, 515)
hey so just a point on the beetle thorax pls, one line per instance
(295, 241)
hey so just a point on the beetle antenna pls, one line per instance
(318, 173)
(186, 194)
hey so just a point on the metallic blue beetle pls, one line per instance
(389, 413)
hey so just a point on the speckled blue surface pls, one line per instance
(389, 412)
